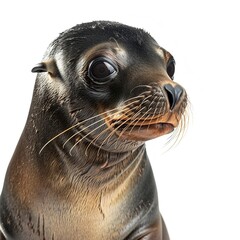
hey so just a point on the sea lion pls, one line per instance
(80, 169)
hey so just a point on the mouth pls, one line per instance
(142, 132)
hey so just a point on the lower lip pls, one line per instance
(144, 133)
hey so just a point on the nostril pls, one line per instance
(173, 94)
(178, 92)
(170, 94)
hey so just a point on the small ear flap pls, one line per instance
(40, 67)
(47, 66)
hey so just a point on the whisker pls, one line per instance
(180, 131)
(116, 129)
(128, 126)
(58, 135)
(70, 151)
(133, 119)
(82, 130)
(111, 134)
(135, 116)
(109, 116)
(142, 117)
(100, 134)
(155, 110)
(82, 122)
(123, 123)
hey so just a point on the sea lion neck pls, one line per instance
(98, 169)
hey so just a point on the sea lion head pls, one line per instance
(115, 84)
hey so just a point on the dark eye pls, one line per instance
(171, 68)
(101, 70)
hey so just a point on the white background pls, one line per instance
(199, 180)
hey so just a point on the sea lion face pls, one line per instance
(119, 85)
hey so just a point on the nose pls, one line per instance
(173, 94)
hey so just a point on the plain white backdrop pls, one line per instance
(198, 180)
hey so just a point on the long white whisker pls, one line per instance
(109, 116)
(58, 136)
(115, 129)
(110, 135)
(86, 136)
(82, 122)
(180, 131)
(135, 116)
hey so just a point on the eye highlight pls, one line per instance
(171, 68)
(101, 70)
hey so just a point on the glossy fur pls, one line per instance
(80, 169)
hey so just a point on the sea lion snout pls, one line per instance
(152, 110)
